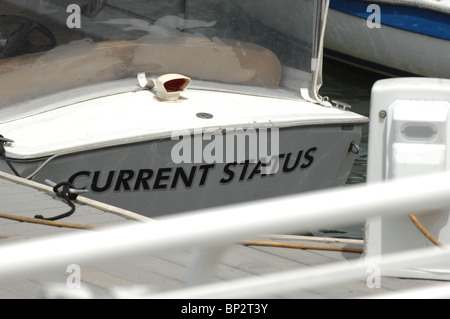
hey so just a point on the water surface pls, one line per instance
(352, 86)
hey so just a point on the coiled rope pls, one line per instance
(67, 196)
(3, 142)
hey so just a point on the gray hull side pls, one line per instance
(142, 177)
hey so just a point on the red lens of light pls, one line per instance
(174, 85)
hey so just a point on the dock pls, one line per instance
(163, 273)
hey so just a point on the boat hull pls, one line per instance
(398, 49)
(143, 178)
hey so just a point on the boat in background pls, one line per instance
(162, 108)
(396, 38)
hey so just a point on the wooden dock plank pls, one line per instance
(148, 272)
(166, 270)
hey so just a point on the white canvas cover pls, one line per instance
(269, 47)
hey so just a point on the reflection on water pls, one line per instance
(353, 86)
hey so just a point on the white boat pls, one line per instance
(167, 108)
(393, 37)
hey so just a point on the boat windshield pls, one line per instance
(256, 46)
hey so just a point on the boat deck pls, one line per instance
(164, 271)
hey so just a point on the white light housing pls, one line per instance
(168, 87)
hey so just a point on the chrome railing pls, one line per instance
(211, 230)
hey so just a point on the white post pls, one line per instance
(409, 136)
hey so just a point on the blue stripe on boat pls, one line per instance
(416, 20)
